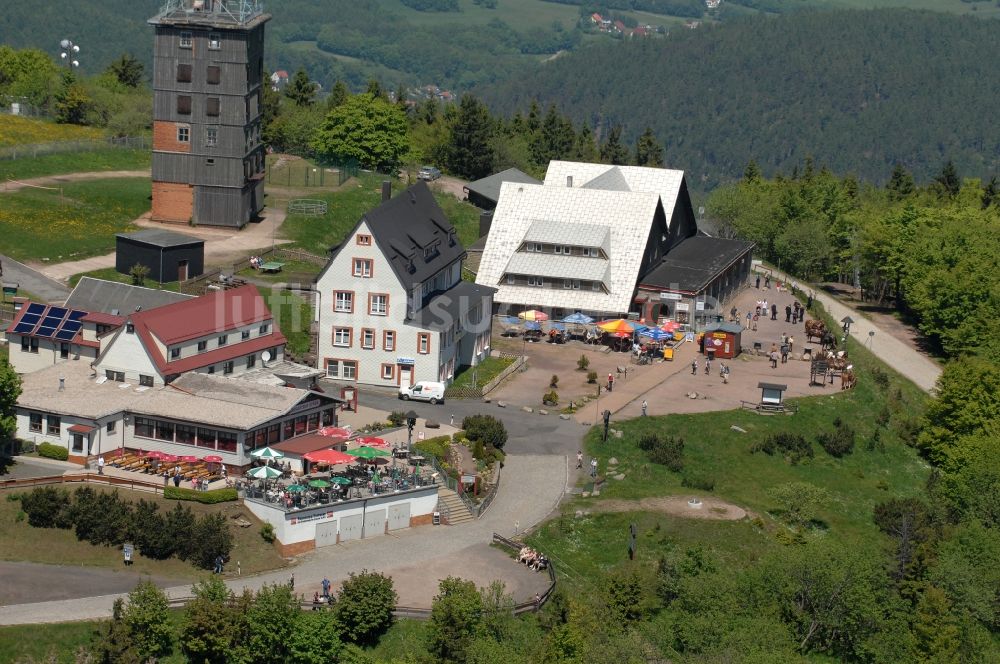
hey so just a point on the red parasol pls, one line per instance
(670, 326)
(334, 432)
(373, 441)
(332, 457)
(167, 457)
(188, 458)
(155, 454)
(212, 458)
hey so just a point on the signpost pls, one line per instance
(127, 550)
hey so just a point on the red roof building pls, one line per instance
(226, 332)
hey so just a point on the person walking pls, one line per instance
(579, 459)
(100, 465)
(593, 467)
(784, 353)
(755, 317)
(694, 366)
(767, 281)
(291, 581)
(644, 406)
(734, 314)
(749, 316)
(611, 382)
(708, 366)
(725, 374)
(774, 312)
(326, 587)
(791, 343)
(758, 282)
(774, 359)
(788, 313)
(809, 301)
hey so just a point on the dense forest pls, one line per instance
(858, 90)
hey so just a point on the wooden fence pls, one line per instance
(516, 366)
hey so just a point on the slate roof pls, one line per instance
(489, 187)
(161, 238)
(404, 226)
(579, 235)
(627, 215)
(443, 310)
(109, 297)
(561, 267)
(694, 263)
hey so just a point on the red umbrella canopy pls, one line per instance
(332, 457)
(373, 441)
(155, 454)
(212, 458)
(167, 457)
(335, 432)
(188, 458)
(670, 326)
(616, 326)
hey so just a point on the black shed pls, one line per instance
(169, 256)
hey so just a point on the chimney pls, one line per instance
(485, 222)
(386, 190)
(569, 181)
(62, 383)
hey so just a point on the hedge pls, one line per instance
(50, 451)
(205, 497)
(436, 447)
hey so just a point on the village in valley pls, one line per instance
(278, 390)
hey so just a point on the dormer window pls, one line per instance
(364, 240)
(430, 251)
(175, 353)
(223, 339)
(129, 328)
(451, 238)
(245, 335)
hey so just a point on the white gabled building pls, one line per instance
(393, 308)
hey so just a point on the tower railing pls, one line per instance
(229, 11)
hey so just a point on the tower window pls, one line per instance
(183, 134)
(212, 106)
(213, 75)
(214, 41)
(184, 104)
(183, 73)
(185, 41)
(211, 136)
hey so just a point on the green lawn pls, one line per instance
(75, 162)
(346, 207)
(59, 642)
(485, 371)
(18, 130)
(292, 271)
(78, 222)
(294, 316)
(111, 274)
(22, 542)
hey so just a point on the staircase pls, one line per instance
(453, 510)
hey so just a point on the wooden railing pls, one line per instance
(94, 478)
(525, 607)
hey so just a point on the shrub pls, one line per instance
(648, 442)
(880, 377)
(204, 497)
(554, 381)
(50, 451)
(838, 443)
(486, 428)
(583, 363)
(792, 446)
(149, 531)
(397, 418)
(478, 451)
(551, 398)
(267, 533)
(669, 453)
(592, 377)
(695, 480)
(436, 447)
(211, 539)
(47, 507)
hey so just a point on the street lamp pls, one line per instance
(68, 53)
(411, 421)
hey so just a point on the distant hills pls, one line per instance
(857, 90)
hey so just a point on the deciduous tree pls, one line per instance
(365, 129)
(364, 607)
(455, 618)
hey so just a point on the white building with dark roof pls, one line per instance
(393, 308)
(581, 240)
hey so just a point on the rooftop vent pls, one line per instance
(569, 181)
(138, 308)
(62, 383)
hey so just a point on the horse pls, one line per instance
(815, 328)
(847, 378)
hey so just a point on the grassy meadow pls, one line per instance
(17, 130)
(111, 274)
(112, 159)
(78, 222)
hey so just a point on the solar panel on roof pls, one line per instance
(31, 319)
(24, 328)
(35, 308)
(65, 335)
(77, 315)
(72, 325)
(45, 332)
(51, 321)
(58, 312)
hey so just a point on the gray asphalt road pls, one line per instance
(46, 583)
(528, 433)
(33, 281)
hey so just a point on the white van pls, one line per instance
(423, 390)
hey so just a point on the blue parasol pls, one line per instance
(578, 318)
(532, 325)
(557, 326)
(656, 334)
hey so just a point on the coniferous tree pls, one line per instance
(585, 148)
(534, 122)
(555, 139)
(901, 183)
(127, 70)
(991, 194)
(751, 174)
(338, 95)
(947, 180)
(401, 97)
(301, 90)
(612, 150)
(375, 88)
(648, 151)
(470, 153)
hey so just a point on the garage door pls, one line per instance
(374, 523)
(399, 516)
(326, 533)
(350, 527)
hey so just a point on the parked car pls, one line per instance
(423, 390)
(428, 173)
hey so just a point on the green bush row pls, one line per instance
(50, 451)
(204, 497)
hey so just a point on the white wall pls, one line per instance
(47, 355)
(125, 352)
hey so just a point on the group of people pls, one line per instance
(532, 558)
(787, 343)
(256, 262)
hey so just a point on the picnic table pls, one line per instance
(272, 266)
